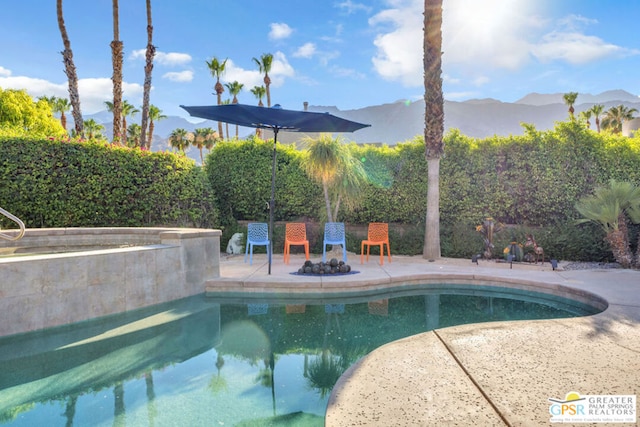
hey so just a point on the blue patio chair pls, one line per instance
(334, 235)
(257, 235)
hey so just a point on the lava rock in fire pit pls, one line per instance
(332, 267)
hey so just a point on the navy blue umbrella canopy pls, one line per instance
(276, 119)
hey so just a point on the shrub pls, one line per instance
(51, 183)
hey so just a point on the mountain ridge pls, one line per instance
(401, 121)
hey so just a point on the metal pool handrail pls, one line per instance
(17, 221)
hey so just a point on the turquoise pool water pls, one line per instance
(206, 361)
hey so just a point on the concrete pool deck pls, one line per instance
(486, 374)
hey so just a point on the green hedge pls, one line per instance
(531, 182)
(240, 173)
(52, 183)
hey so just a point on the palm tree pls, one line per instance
(329, 162)
(127, 110)
(586, 116)
(211, 142)
(148, 68)
(434, 123)
(134, 132)
(597, 110)
(218, 383)
(201, 137)
(616, 116)
(61, 105)
(609, 207)
(155, 114)
(259, 92)
(180, 139)
(93, 129)
(70, 71)
(324, 371)
(217, 70)
(570, 99)
(234, 89)
(264, 65)
(117, 58)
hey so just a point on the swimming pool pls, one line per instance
(233, 361)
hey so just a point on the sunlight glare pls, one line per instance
(493, 31)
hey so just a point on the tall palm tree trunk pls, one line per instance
(219, 90)
(434, 123)
(431, 249)
(267, 84)
(327, 200)
(148, 68)
(70, 71)
(150, 137)
(116, 59)
(124, 130)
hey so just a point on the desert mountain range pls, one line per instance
(402, 121)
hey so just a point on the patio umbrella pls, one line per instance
(276, 119)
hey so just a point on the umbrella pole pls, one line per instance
(272, 202)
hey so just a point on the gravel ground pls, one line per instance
(588, 265)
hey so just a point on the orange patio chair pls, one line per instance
(296, 234)
(377, 235)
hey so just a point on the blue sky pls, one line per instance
(345, 53)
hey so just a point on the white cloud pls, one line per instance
(351, 7)
(93, 91)
(138, 54)
(459, 95)
(179, 76)
(326, 57)
(346, 72)
(4, 72)
(576, 48)
(575, 22)
(449, 79)
(399, 55)
(172, 58)
(307, 50)
(280, 71)
(488, 34)
(34, 87)
(249, 78)
(279, 31)
(163, 58)
(482, 35)
(481, 80)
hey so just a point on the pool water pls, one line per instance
(205, 361)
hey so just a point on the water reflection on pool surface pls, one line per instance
(206, 361)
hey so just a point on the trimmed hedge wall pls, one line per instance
(531, 182)
(51, 183)
(240, 174)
